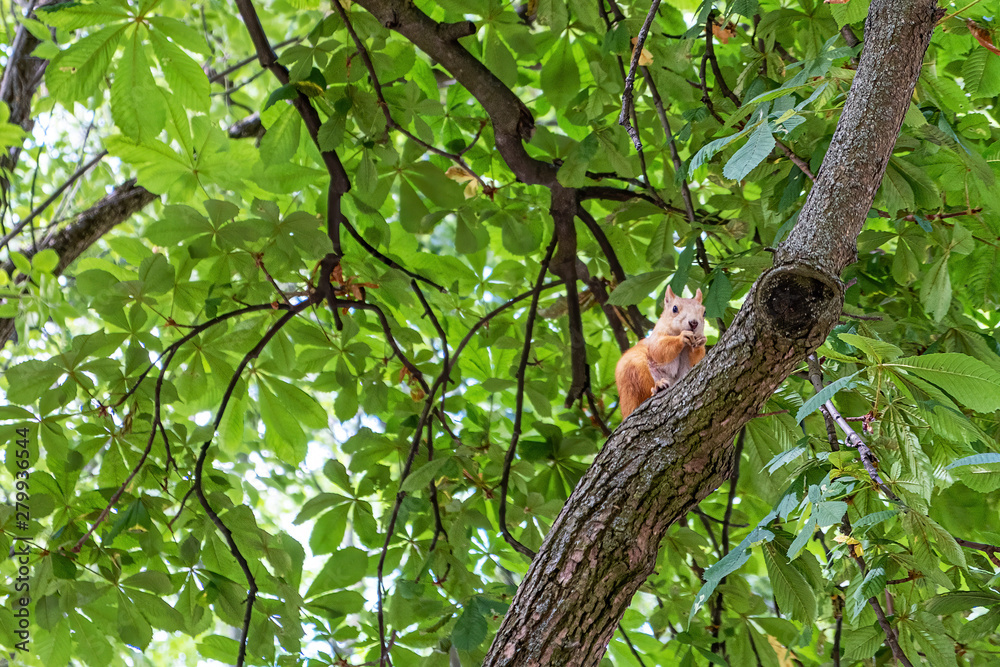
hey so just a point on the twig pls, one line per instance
(522, 367)
(816, 378)
(564, 265)
(868, 459)
(389, 530)
(432, 488)
(719, 647)
(635, 318)
(990, 550)
(219, 76)
(796, 160)
(200, 465)
(595, 414)
(45, 204)
(631, 646)
(627, 102)
(340, 184)
(891, 638)
(389, 121)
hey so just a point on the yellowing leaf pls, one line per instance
(852, 544)
(645, 58)
(459, 175)
(982, 36)
(784, 655)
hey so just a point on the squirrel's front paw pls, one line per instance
(699, 340)
(659, 386)
(690, 338)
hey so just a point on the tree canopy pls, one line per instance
(311, 314)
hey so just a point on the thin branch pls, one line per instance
(717, 646)
(389, 121)
(219, 76)
(990, 550)
(519, 401)
(200, 466)
(868, 459)
(90, 225)
(891, 638)
(564, 265)
(635, 320)
(55, 195)
(627, 103)
(432, 489)
(816, 377)
(631, 646)
(340, 184)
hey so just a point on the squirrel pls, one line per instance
(658, 361)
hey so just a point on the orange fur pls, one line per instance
(660, 360)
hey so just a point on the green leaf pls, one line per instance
(185, 77)
(784, 457)
(497, 57)
(895, 194)
(873, 584)
(791, 590)
(159, 166)
(970, 381)
(935, 289)
(133, 628)
(151, 580)
(875, 518)
(758, 146)
(981, 73)
(470, 628)
(949, 603)
(137, 104)
(281, 141)
(730, 563)
(560, 77)
(980, 627)
(572, 173)
(636, 289)
(874, 349)
(343, 568)
(520, 237)
(854, 11)
(824, 395)
(717, 299)
(76, 15)
(75, 73)
(30, 379)
(422, 476)
(975, 460)
(706, 152)
(217, 647)
(306, 408)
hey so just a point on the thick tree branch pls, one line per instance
(512, 122)
(79, 235)
(895, 33)
(678, 447)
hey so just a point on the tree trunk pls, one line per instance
(677, 448)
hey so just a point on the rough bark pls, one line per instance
(677, 448)
(79, 235)
(21, 77)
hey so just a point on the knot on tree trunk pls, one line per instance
(796, 302)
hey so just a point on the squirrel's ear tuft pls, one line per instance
(697, 295)
(670, 295)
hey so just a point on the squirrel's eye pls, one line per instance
(675, 309)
